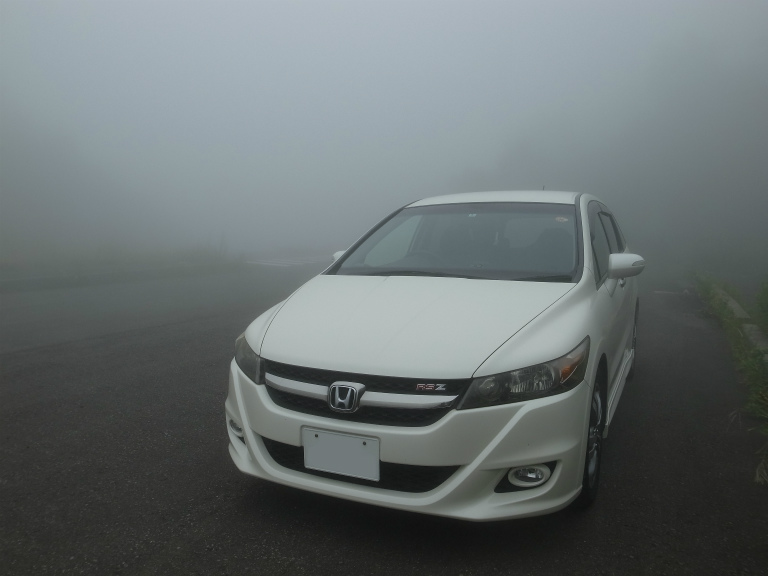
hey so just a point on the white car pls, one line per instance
(464, 358)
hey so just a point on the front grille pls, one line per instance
(407, 417)
(368, 414)
(372, 383)
(399, 477)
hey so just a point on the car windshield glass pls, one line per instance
(502, 241)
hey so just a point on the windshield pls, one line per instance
(503, 241)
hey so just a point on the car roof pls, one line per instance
(541, 196)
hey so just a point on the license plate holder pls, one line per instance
(339, 453)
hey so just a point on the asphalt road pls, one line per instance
(113, 454)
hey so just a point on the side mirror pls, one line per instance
(337, 255)
(625, 265)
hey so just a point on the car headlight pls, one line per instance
(250, 362)
(545, 379)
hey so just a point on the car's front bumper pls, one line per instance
(483, 443)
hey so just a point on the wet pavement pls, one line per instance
(113, 453)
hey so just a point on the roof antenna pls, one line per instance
(544, 187)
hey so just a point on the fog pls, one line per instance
(294, 126)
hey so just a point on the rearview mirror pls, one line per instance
(625, 265)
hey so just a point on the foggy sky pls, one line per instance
(266, 125)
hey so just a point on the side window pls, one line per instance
(619, 235)
(610, 231)
(600, 247)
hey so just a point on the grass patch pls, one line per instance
(732, 291)
(749, 359)
(761, 308)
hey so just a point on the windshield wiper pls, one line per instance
(421, 273)
(546, 278)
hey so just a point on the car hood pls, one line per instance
(410, 326)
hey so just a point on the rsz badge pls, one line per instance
(431, 387)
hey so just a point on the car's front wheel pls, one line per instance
(593, 458)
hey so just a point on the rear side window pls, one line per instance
(610, 232)
(615, 239)
(601, 249)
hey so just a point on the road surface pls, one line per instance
(113, 453)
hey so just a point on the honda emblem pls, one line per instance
(345, 396)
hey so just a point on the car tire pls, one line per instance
(594, 453)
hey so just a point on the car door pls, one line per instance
(611, 302)
(627, 286)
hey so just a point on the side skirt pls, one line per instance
(618, 388)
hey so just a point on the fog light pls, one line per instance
(236, 428)
(529, 476)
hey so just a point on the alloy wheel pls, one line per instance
(595, 440)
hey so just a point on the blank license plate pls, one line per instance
(355, 456)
